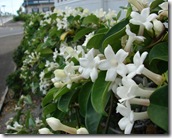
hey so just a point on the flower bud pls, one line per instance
(59, 73)
(158, 27)
(82, 131)
(44, 131)
(54, 123)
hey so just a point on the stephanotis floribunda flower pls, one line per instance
(143, 19)
(113, 63)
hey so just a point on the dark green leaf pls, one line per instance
(158, 109)
(113, 37)
(100, 94)
(83, 97)
(81, 33)
(64, 90)
(159, 51)
(64, 101)
(49, 109)
(49, 96)
(92, 119)
(156, 3)
(95, 41)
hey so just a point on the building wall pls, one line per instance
(91, 4)
(41, 7)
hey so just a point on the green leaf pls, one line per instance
(64, 90)
(100, 94)
(64, 101)
(83, 97)
(49, 96)
(29, 120)
(159, 51)
(113, 37)
(46, 51)
(49, 109)
(92, 119)
(156, 4)
(158, 109)
(28, 99)
(91, 19)
(82, 33)
(95, 41)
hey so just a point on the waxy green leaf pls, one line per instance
(100, 94)
(158, 109)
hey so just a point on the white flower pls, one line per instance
(88, 37)
(100, 13)
(113, 63)
(138, 66)
(44, 131)
(55, 54)
(56, 124)
(16, 126)
(88, 65)
(131, 39)
(127, 122)
(82, 131)
(131, 90)
(143, 19)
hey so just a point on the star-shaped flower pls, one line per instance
(113, 63)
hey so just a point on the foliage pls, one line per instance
(88, 68)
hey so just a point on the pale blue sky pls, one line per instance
(11, 6)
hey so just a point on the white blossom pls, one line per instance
(113, 63)
(88, 65)
(132, 37)
(88, 37)
(143, 19)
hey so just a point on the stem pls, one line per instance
(110, 112)
(156, 78)
(129, 44)
(68, 129)
(138, 101)
(141, 30)
(140, 116)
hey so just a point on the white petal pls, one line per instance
(131, 67)
(104, 65)
(128, 31)
(123, 123)
(140, 38)
(143, 56)
(124, 111)
(136, 59)
(136, 16)
(109, 54)
(122, 91)
(151, 17)
(148, 25)
(84, 62)
(94, 74)
(121, 69)
(128, 128)
(86, 73)
(111, 74)
(145, 12)
(135, 22)
(121, 55)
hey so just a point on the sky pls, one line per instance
(11, 6)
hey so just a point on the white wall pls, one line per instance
(92, 5)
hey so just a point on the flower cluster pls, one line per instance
(76, 58)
